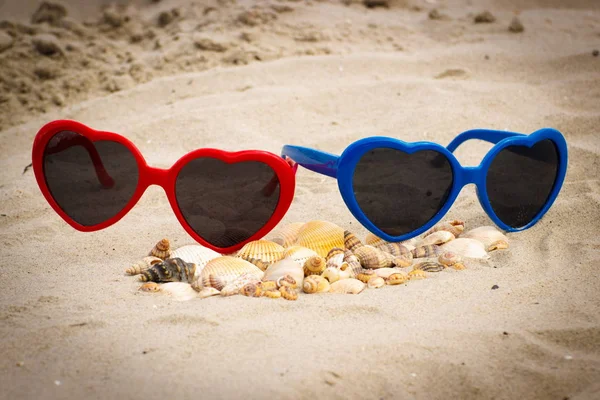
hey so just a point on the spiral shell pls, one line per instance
(288, 293)
(320, 236)
(251, 289)
(150, 287)
(236, 285)
(314, 266)
(194, 253)
(426, 251)
(162, 249)
(376, 282)
(272, 294)
(429, 266)
(371, 257)
(449, 258)
(438, 237)
(347, 286)
(395, 249)
(225, 269)
(351, 242)
(417, 274)
(284, 267)
(373, 240)
(288, 281)
(261, 253)
(170, 270)
(366, 275)
(466, 247)
(299, 254)
(142, 265)
(335, 258)
(354, 266)
(397, 279)
(315, 284)
(333, 274)
(455, 227)
(491, 237)
(287, 234)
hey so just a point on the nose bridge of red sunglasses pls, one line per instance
(155, 176)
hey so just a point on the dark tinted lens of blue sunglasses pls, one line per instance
(519, 181)
(400, 192)
(226, 204)
(91, 181)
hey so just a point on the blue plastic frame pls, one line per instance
(342, 167)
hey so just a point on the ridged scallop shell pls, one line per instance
(142, 265)
(207, 292)
(251, 289)
(320, 236)
(236, 285)
(288, 281)
(287, 234)
(351, 242)
(170, 270)
(455, 227)
(315, 284)
(333, 274)
(225, 269)
(376, 282)
(347, 286)
(150, 287)
(314, 266)
(438, 237)
(287, 266)
(398, 278)
(466, 247)
(429, 266)
(491, 237)
(366, 275)
(426, 251)
(299, 254)
(371, 257)
(417, 274)
(272, 294)
(179, 291)
(288, 293)
(194, 253)
(162, 249)
(449, 258)
(261, 253)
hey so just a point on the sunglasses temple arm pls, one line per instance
(318, 161)
(103, 176)
(487, 135)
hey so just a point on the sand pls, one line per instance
(319, 74)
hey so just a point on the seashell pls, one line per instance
(287, 234)
(333, 274)
(288, 293)
(395, 249)
(335, 258)
(397, 279)
(235, 286)
(207, 292)
(373, 240)
(315, 284)
(150, 287)
(455, 227)
(426, 251)
(417, 274)
(491, 237)
(299, 254)
(386, 272)
(466, 247)
(314, 266)
(194, 253)
(179, 291)
(225, 269)
(351, 242)
(161, 249)
(449, 258)
(366, 275)
(142, 265)
(347, 286)
(251, 289)
(376, 282)
(266, 286)
(354, 266)
(170, 270)
(287, 280)
(273, 294)
(371, 257)
(438, 237)
(320, 236)
(429, 266)
(284, 267)
(458, 266)
(261, 253)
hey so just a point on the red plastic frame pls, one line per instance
(164, 178)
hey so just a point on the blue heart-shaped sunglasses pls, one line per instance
(398, 190)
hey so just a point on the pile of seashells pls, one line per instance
(313, 257)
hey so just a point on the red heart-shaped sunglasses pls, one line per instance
(223, 199)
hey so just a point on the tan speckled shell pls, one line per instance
(142, 265)
(162, 249)
(429, 266)
(366, 275)
(455, 227)
(438, 237)
(314, 266)
(207, 292)
(371, 257)
(287, 266)
(458, 266)
(417, 274)
(287, 234)
(333, 274)
(262, 253)
(223, 270)
(299, 254)
(288, 293)
(426, 251)
(236, 285)
(491, 237)
(194, 253)
(251, 289)
(287, 280)
(347, 286)
(466, 247)
(272, 294)
(376, 282)
(397, 279)
(315, 284)
(150, 287)
(268, 285)
(449, 258)
(321, 236)
(351, 242)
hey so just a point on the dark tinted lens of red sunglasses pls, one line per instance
(90, 181)
(226, 204)
(519, 181)
(400, 192)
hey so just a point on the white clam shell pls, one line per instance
(491, 237)
(287, 266)
(466, 247)
(180, 291)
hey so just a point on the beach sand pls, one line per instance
(318, 74)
